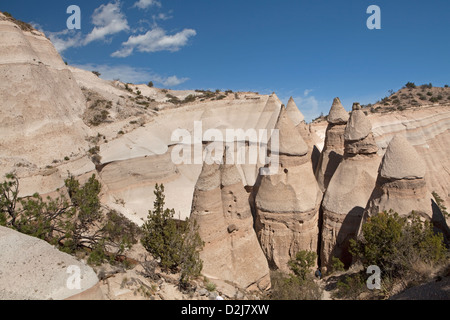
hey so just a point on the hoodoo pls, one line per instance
(287, 202)
(349, 189)
(401, 184)
(222, 211)
(333, 150)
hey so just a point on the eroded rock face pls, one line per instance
(349, 189)
(31, 268)
(287, 203)
(221, 208)
(41, 101)
(333, 150)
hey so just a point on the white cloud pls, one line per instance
(108, 20)
(308, 105)
(132, 75)
(155, 40)
(171, 81)
(144, 4)
(307, 91)
(62, 40)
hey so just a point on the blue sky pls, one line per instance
(311, 50)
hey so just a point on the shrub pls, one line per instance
(446, 86)
(72, 224)
(410, 85)
(177, 245)
(210, 286)
(289, 287)
(336, 265)
(350, 287)
(434, 99)
(396, 244)
(98, 74)
(189, 98)
(150, 84)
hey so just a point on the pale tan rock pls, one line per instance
(333, 150)
(222, 211)
(294, 113)
(290, 141)
(337, 114)
(287, 202)
(401, 161)
(349, 190)
(358, 126)
(41, 272)
(401, 184)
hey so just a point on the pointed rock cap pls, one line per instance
(401, 161)
(290, 141)
(209, 177)
(358, 126)
(294, 113)
(269, 114)
(337, 114)
(356, 106)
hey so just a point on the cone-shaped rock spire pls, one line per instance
(293, 112)
(290, 141)
(401, 161)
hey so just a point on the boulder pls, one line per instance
(32, 269)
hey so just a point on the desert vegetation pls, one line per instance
(74, 221)
(176, 244)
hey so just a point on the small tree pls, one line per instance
(150, 84)
(303, 262)
(177, 244)
(73, 223)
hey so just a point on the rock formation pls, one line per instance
(41, 101)
(287, 203)
(32, 269)
(333, 150)
(349, 189)
(401, 182)
(304, 129)
(221, 208)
